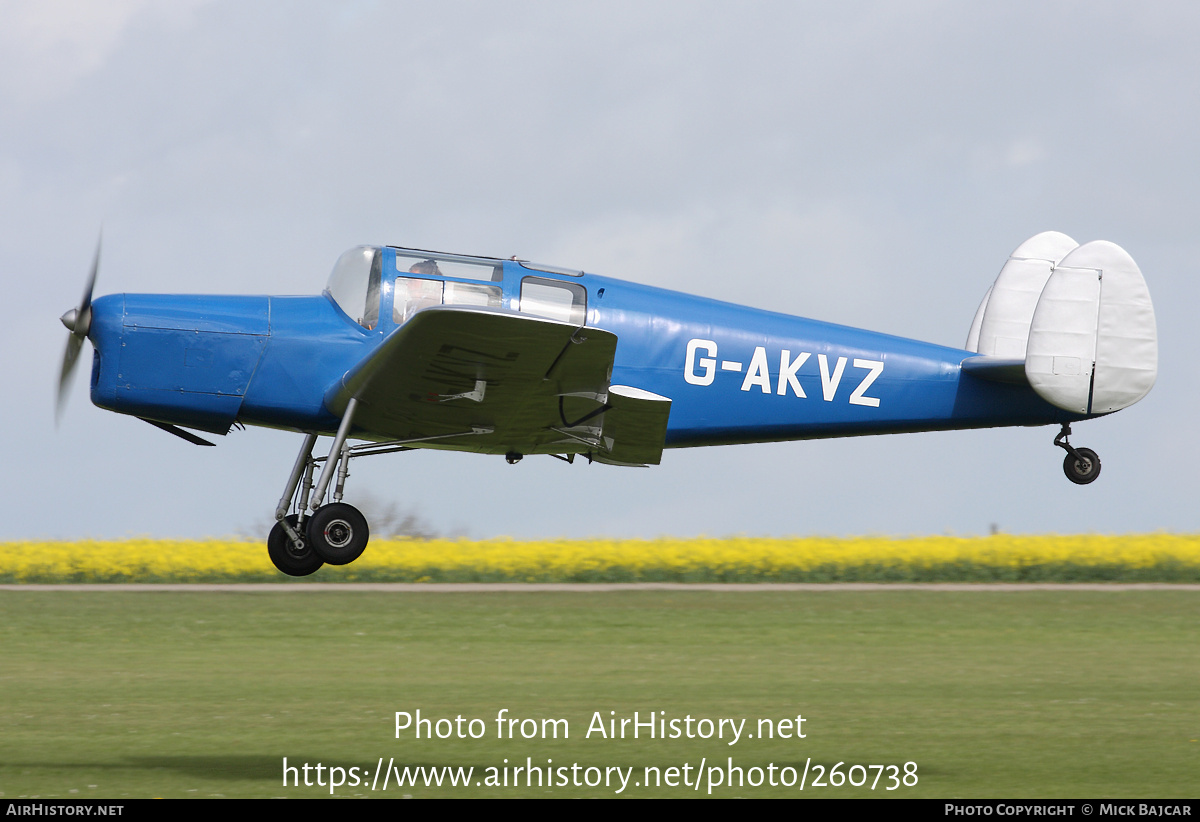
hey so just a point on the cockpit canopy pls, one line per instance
(368, 282)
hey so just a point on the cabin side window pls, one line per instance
(554, 299)
(486, 296)
(412, 294)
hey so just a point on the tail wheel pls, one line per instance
(293, 561)
(338, 533)
(1082, 466)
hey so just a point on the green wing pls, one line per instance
(534, 385)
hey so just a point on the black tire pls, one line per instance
(285, 556)
(338, 533)
(1082, 467)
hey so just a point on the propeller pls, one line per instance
(78, 321)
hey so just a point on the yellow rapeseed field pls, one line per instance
(1131, 557)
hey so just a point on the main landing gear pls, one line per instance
(335, 533)
(319, 531)
(1081, 465)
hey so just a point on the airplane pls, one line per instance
(407, 348)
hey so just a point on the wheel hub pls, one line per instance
(339, 533)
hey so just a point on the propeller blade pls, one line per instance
(85, 305)
(70, 358)
(78, 321)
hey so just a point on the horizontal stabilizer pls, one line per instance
(996, 369)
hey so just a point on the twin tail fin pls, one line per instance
(1076, 319)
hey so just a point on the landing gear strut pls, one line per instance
(1081, 465)
(334, 533)
(320, 532)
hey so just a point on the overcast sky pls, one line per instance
(868, 163)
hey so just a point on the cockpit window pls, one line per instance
(354, 284)
(414, 293)
(428, 264)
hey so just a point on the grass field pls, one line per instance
(1042, 694)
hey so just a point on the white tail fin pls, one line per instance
(1093, 342)
(1001, 325)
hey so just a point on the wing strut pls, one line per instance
(562, 414)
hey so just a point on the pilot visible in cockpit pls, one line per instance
(427, 268)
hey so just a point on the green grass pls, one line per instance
(1042, 694)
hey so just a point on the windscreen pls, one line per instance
(354, 284)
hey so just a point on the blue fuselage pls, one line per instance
(734, 374)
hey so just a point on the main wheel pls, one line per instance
(285, 556)
(1083, 468)
(338, 533)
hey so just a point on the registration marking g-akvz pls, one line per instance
(699, 370)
